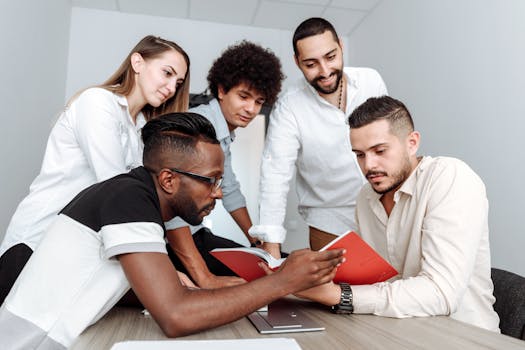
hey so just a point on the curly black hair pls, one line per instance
(247, 63)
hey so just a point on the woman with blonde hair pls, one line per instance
(96, 137)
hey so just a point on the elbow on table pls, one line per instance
(446, 297)
(176, 326)
(449, 303)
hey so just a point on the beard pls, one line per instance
(330, 89)
(398, 178)
(187, 209)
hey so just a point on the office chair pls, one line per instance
(509, 291)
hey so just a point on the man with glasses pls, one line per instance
(242, 79)
(110, 237)
(215, 183)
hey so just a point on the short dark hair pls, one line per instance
(310, 27)
(383, 108)
(174, 132)
(247, 63)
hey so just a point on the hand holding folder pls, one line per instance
(363, 264)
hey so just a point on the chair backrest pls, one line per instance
(509, 291)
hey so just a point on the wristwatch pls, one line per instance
(345, 305)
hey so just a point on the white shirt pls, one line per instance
(437, 239)
(309, 136)
(94, 139)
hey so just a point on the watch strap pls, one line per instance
(345, 305)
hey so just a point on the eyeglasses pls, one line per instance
(214, 182)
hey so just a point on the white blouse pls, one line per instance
(93, 139)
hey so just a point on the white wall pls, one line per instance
(96, 51)
(33, 56)
(459, 67)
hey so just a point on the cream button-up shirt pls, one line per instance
(437, 238)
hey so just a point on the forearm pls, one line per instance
(181, 241)
(242, 218)
(201, 310)
(328, 294)
(181, 311)
(302, 270)
(417, 296)
(402, 298)
(272, 248)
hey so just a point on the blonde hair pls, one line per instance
(123, 80)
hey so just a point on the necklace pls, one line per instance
(340, 93)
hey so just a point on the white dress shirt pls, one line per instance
(437, 238)
(93, 139)
(309, 136)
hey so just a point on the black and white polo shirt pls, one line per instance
(73, 278)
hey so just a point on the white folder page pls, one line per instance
(222, 344)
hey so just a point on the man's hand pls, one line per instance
(213, 281)
(185, 280)
(304, 269)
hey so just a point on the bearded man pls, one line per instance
(308, 136)
(427, 216)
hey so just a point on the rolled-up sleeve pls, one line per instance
(277, 169)
(133, 237)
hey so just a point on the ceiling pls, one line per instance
(345, 15)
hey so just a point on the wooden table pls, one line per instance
(342, 332)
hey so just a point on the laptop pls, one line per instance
(283, 317)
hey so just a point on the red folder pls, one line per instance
(363, 264)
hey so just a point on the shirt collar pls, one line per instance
(145, 176)
(121, 100)
(408, 187)
(351, 83)
(140, 120)
(219, 121)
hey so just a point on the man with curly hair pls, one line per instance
(241, 80)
